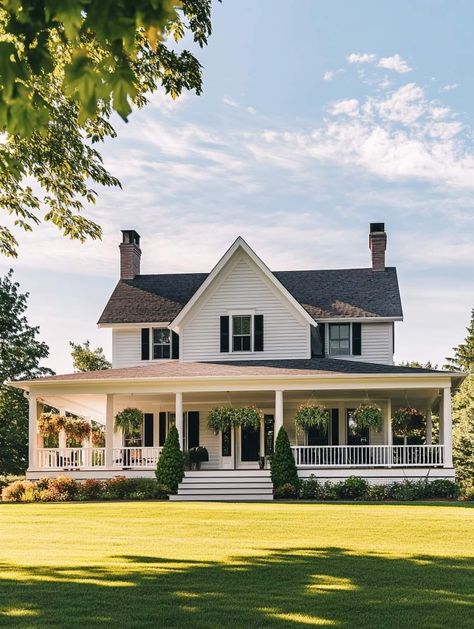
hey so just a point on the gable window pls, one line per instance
(339, 339)
(241, 333)
(161, 343)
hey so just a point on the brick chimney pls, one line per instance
(377, 245)
(130, 254)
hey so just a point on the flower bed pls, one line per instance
(64, 488)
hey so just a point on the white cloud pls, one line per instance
(230, 102)
(450, 87)
(331, 74)
(364, 57)
(396, 63)
(349, 107)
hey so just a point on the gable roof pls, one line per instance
(323, 294)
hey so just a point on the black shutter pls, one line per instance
(335, 426)
(193, 429)
(162, 429)
(258, 333)
(145, 343)
(356, 339)
(318, 340)
(174, 345)
(148, 430)
(224, 334)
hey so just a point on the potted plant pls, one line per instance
(368, 415)
(407, 421)
(198, 455)
(77, 429)
(129, 420)
(312, 416)
(222, 417)
(49, 424)
(261, 462)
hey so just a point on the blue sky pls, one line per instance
(316, 119)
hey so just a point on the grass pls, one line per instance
(151, 564)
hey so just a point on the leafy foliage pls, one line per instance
(223, 417)
(407, 421)
(77, 429)
(368, 416)
(170, 466)
(463, 359)
(98, 435)
(129, 420)
(312, 416)
(20, 356)
(86, 359)
(65, 67)
(283, 467)
(49, 424)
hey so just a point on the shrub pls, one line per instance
(146, 489)
(65, 487)
(285, 491)
(116, 488)
(283, 467)
(377, 492)
(330, 491)
(467, 492)
(352, 488)
(170, 466)
(311, 489)
(19, 491)
(91, 489)
(442, 488)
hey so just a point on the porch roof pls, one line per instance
(175, 369)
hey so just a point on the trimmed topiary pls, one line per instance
(283, 467)
(170, 466)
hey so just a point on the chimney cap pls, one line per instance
(377, 227)
(130, 237)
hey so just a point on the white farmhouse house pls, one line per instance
(243, 335)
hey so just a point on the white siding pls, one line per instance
(244, 288)
(377, 344)
(126, 347)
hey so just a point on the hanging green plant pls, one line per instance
(368, 415)
(77, 429)
(407, 421)
(223, 417)
(129, 420)
(312, 416)
(49, 424)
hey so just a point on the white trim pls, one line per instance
(374, 319)
(160, 324)
(239, 243)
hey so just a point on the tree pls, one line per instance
(64, 68)
(170, 466)
(463, 408)
(86, 359)
(283, 465)
(20, 355)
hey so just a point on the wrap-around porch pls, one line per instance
(343, 448)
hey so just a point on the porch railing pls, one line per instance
(369, 456)
(87, 458)
(135, 457)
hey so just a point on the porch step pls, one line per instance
(225, 486)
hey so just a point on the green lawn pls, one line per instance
(151, 564)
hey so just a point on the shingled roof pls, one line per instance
(244, 368)
(341, 293)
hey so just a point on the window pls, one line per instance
(161, 343)
(339, 339)
(241, 333)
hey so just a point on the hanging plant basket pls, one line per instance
(77, 429)
(368, 416)
(98, 436)
(407, 421)
(49, 424)
(312, 416)
(224, 417)
(129, 420)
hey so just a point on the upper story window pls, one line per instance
(339, 339)
(241, 333)
(161, 343)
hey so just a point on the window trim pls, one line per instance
(151, 343)
(349, 324)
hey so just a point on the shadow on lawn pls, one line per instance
(281, 588)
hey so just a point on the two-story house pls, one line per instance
(243, 335)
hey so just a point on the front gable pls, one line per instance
(241, 286)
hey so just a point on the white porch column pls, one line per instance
(109, 431)
(278, 411)
(179, 417)
(32, 432)
(447, 426)
(389, 433)
(429, 427)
